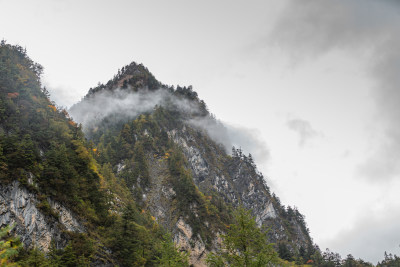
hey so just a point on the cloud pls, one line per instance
(249, 140)
(369, 30)
(61, 95)
(124, 105)
(371, 235)
(120, 103)
(315, 27)
(304, 129)
(358, 27)
(384, 163)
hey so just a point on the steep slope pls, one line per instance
(157, 140)
(59, 198)
(149, 167)
(47, 175)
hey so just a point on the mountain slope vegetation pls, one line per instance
(140, 174)
(157, 140)
(52, 187)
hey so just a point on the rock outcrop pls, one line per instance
(20, 207)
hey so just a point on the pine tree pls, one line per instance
(244, 244)
(234, 152)
(36, 258)
(54, 255)
(170, 256)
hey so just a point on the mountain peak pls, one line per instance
(147, 164)
(132, 76)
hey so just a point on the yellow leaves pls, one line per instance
(153, 218)
(23, 76)
(83, 154)
(20, 67)
(52, 107)
(155, 226)
(9, 247)
(96, 151)
(207, 210)
(142, 119)
(72, 123)
(103, 183)
(166, 155)
(61, 129)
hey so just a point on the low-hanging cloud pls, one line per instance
(61, 95)
(125, 104)
(249, 140)
(304, 129)
(307, 29)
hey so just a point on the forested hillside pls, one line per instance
(155, 138)
(59, 198)
(136, 174)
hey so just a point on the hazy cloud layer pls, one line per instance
(119, 102)
(358, 27)
(304, 129)
(61, 95)
(314, 27)
(385, 161)
(124, 104)
(373, 234)
(368, 30)
(249, 140)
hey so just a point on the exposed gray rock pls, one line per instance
(120, 167)
(183, 239)
(237, 181)
(66, 217)
(19, 207)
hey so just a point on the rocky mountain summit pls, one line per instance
(133, 167)
(178, 123)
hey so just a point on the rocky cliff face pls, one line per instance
(234, 179)
(20, 207)
(220, 182)
(184, 239)
(237, 180)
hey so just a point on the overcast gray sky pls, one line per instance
(316, 81)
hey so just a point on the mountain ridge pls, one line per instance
(100, 195)
(214, 172)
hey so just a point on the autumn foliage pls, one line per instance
(12, 95)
